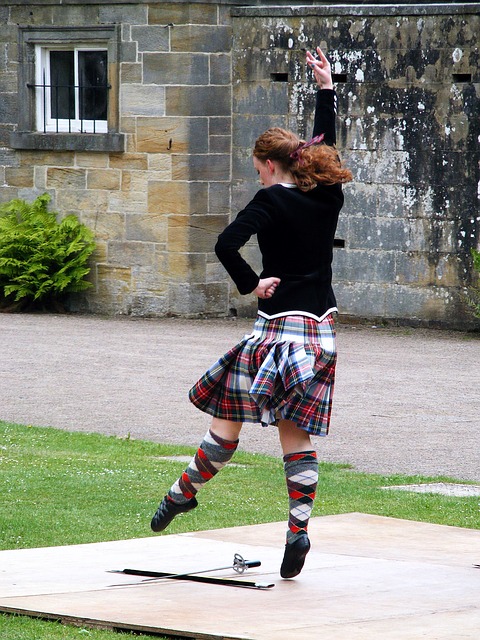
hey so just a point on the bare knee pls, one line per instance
(292, 438)
(226, 429)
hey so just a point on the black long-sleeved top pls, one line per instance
(295, 231)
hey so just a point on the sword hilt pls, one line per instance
(240, 565)
(252, 563)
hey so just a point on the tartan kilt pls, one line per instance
(285, 369)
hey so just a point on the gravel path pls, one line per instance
(406, 400)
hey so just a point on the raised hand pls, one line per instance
(321, 69)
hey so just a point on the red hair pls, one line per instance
(316, 164)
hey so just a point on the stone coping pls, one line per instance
(347, 7)
(377, 9)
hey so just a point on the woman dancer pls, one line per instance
(283, 373)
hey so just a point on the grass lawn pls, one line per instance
(59, 488)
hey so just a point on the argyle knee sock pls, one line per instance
(212, 455)
(301, 473)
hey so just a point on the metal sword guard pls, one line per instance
(239, 564)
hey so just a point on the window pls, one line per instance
(68, 89)
(71, 90)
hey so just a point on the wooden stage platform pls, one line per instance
(366, 577)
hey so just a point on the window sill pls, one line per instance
(110, 142)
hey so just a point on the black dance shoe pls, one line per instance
(167, 511)
(294, 557)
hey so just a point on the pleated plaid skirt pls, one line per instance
(285, 369)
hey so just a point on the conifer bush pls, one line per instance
(41, 259)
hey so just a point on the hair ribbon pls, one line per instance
(295, 155)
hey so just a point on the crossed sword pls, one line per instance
(239, 565)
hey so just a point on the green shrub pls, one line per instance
(473, 297)
(476, 259)
(41, 260)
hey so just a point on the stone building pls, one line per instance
(158, 159)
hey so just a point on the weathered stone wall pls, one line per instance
(408, 127)
(198, 81)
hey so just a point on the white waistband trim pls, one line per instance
(283, 314)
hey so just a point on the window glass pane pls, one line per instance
(92, 78)
(62, 81)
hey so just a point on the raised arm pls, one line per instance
(325, 109)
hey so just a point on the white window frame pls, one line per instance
(44, 120)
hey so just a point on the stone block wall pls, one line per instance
(156, 207)
(197, 81)
(408, 127)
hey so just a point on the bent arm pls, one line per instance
(249, 222)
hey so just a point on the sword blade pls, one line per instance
(161, 574)
(229, 582)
